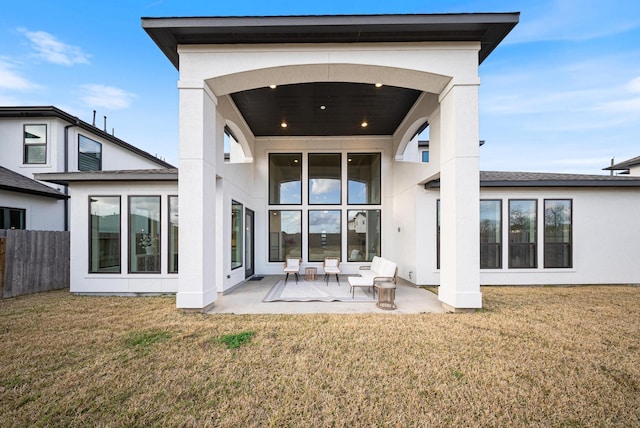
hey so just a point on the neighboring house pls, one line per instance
(320, 116)
(27, 202)
(46, 139)
(628, 167)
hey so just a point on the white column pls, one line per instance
(459, 198)
(197, 190)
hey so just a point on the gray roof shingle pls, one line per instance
(14, 182)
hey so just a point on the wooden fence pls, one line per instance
(32, 261)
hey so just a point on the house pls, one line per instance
(46, 140)
(628, 167)
(293, 128)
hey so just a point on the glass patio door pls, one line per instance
(249, 240)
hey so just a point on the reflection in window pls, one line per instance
(236, 234)
(557, 233)
(363, 235)
(522, 234)
(490, 234)
(285, 178)
(173, 234)
(325, 239)
(285, 235)
(35, 144)
(324, 178)
(12, 218)
(363, 172)
(89, 154)
(425, 156)
(104, 239)
(144, 234)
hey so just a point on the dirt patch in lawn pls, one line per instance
(541, 356)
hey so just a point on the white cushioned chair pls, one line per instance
(331, 266)
(292, 265)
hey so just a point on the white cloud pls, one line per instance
(320, 186)
(96, 95)
(10, 79)
(52, 50)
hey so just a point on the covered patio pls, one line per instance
(247, 298)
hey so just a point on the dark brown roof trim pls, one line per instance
(487, 28)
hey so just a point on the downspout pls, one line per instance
(66, 169)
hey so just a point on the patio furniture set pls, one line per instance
(379, 277)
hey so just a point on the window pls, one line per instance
(144, 234)
(425, 156)
(363, 235)
(173, 234)
(12, 218)
(557, 233)
(236, 235)
(325, 237)
(523, 233)
(363, 172)
(104, 230)
(285, 178)
(89, 154)
(324, 178)
(35, 144)
(285, 235)
(490, 234)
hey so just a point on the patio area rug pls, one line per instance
(315, 291)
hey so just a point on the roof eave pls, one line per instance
(488, 28)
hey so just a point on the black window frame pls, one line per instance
(25, 145)
(90, 252)
(129, 231)
(570, 243)
(498, 245)
(80, 154)
(511, 244)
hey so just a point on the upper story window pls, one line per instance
(425, 156)
(35, 144)
(363, 173)
(89, 154)
(285, 178)
(324, 178)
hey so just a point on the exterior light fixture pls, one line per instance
(273, 86)
(378, 85)
(364, 124)
(323, 107)
(283, 124)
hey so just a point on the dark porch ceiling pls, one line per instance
(325, 108)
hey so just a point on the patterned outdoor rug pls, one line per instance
(315, 291)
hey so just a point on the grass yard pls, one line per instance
(534, 356)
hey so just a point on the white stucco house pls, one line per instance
(44, 140)
(294, 128)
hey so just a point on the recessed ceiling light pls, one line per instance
(364, 124)
(295, 161)
(284, 124)
(378, 85)
(323, 107)
(273, 86)
(349, 160)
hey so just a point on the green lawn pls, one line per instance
(534, 356)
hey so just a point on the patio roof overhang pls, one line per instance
(383, 108)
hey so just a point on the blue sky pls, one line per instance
(560, 94)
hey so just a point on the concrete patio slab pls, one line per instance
(247, 299)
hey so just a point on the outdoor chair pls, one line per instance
(292, 265)
(331, 266)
